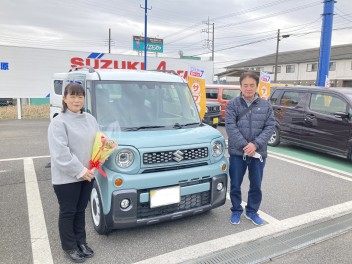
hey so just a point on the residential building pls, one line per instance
(299, 67)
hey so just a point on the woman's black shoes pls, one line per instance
(75, 255)
(87, 251)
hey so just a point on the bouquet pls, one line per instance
(102, 149)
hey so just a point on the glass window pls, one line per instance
(212, 93)
(291, 98)
(312, 67)
(228, 94)
(274, 97)
(259, 69)
(290, 68)
(58, 86)
(332, 66)
(278, 69)
(327, 104)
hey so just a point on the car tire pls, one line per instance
(97, 211)
(215, 126)
(275, 138)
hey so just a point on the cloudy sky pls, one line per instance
(243, 30)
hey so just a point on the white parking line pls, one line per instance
(274, 155)
(314, 168)
(199, 250)
(38, 231)
(35, 157)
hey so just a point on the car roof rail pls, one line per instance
(89, 68)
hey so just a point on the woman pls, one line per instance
(71, 136)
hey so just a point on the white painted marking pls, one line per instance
(199, 250)
(273, 154)
(38, 231)
(35, 157)
(267, 218)
(1, 171)
(314, 168)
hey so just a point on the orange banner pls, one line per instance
(197, 86)
(264, 85)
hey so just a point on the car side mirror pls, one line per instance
(342, 115)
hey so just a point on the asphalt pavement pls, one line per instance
(296, 192)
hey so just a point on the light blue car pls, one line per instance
(168, 164)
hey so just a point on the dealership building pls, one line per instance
(299, 67)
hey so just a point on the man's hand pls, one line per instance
(88, 176)
(250, 149)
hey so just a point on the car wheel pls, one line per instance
(215, 126)
(275, 138)
(97, 211)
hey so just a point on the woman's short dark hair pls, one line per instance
(72, 89)
(251, 75)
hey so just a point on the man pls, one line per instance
(249, 125)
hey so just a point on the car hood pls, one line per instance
(166, 137)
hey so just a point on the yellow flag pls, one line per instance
(197, 86)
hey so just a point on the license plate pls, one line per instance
(165, 196)
(215, 120)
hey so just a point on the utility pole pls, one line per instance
(145, 32)
(325, 42)
(212, 46)
(277, 52)
(208, 41)
(109, 40)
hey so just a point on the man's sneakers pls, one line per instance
(255, 218)
(235, 218)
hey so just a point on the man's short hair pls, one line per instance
(249, 74)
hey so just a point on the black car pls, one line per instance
(6, 101)
(314, 117)
(212, 115)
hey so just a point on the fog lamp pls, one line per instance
(220, 186)
(125, 203)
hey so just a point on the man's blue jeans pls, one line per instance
(237, 170)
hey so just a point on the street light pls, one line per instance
(277, 51)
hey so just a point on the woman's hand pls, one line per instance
(88, 176)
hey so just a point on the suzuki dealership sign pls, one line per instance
(27, 72)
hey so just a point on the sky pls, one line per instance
(243, 30)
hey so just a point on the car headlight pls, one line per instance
(206, 109)
(217, 149)
(124, 158)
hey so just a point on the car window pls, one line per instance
(327, 104)
(58, 86)
(212, 93)
(274, 97)
(228, 94)
(291, 98)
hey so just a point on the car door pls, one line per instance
(289, 113)
(327, 131)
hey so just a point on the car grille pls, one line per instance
(174, 155)
(213, 108)
(187, 202)
(179, 167)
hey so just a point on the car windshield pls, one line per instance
(132, 105)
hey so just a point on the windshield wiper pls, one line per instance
(141, 127)
(177, 125)
(190, 124)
